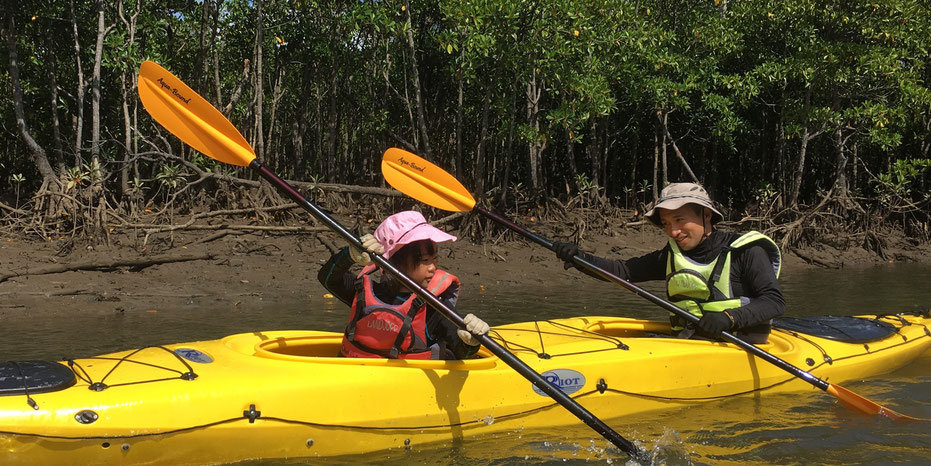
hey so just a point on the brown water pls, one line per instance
(808, 427)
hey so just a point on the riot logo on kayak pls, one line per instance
(194, 355)
(567, 380)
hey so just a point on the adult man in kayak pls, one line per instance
(387, 320)
(727, 279)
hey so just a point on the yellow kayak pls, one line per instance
(284, 394)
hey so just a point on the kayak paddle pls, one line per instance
(192, 119)
(428, 183)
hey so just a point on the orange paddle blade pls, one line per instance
(863, 405)
(189, 116)
(424, 181)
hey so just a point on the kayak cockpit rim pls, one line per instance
(325, 349)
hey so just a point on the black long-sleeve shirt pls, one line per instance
(336, 278)
(752, 276)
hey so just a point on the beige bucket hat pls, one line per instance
(679, 194)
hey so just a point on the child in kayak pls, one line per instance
(730, 281)
(387, 320)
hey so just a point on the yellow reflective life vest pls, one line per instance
(699, 288)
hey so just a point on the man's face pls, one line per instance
(686, 225)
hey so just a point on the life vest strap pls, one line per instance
(719, 267)
(405, 330)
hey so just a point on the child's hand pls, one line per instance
(474, 326)
(371, 245)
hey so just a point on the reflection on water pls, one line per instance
(794, 428)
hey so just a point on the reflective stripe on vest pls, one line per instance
(380, 330)
(699, 288)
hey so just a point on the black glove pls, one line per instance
(713, 323)
(565, 252)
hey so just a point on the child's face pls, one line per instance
(422, 271)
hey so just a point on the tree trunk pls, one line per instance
(36, 151)
(855, 165)
(318, 147)
(668, 140)
(781, 150)
(799, 168)
(127, 84)
(332, 123)
(537, 141)
(509, 151)
(297, 148)
(202, 47)
(634, 161)
(52, 67)
(840, 165)
(663, 121)
(457, 164)
(926, 141)
(418, 93)
(79, 94)
(215, 48)
(237, 93)
(277, 92)
(573, 171)
(479, 173)
(658, 142)
(595, 150)
(807, 136)
(102, 31)
(344, 160)
(259, 86)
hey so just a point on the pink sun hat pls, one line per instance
(405, 228)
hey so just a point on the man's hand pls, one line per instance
(713, 323)
(565, 252)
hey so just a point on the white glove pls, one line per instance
(474, 326)
(371, 245)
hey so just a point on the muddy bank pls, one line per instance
(251, 269)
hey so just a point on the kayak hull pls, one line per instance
(282, 394)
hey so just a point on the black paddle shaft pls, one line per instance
(522, 368)
(688, 316)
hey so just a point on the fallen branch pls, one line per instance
(327, 243)
(213, 213)
(448, 218)
(213, 237)
(814, 260)
(222, 226)
(13, 209)
(104, 265)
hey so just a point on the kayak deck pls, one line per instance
(285, 393)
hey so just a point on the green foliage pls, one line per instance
(739, 87)
(170, 175)
(205, 163)
(76, 177)
(765, 194)
(895, 186)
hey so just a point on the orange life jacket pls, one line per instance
(396, 331)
